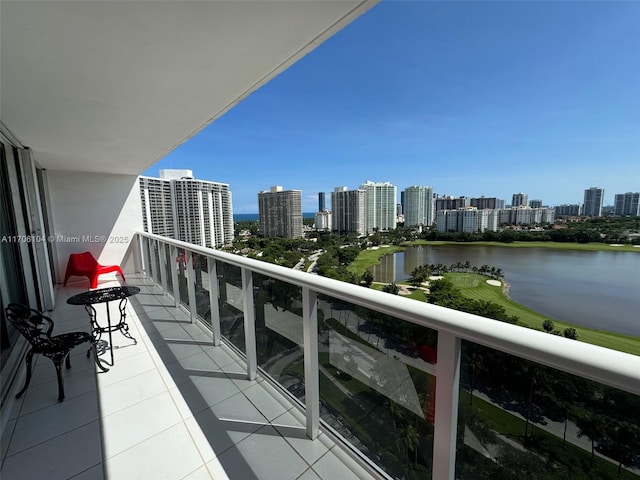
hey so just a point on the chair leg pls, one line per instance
(29, 360)
(60, 380)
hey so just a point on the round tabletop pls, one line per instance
(102, 295)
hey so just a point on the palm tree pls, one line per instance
(412, 439)
(392, 288)
(476, 365)
(591, 426)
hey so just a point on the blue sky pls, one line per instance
(471, 98)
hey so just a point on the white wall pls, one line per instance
(94, 212)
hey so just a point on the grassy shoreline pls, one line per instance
(483, 291)
(590, 247)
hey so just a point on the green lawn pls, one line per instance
(594, 246)
(547, 444)
(369, 258)
(475, 286)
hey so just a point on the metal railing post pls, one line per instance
(214, 296)
(311, 370)
(174, 274)
(142, 241)
(249, 323)
(191, 287)
(446, 411)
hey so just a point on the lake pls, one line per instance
(599, 290)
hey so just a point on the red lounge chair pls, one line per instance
(85, 265)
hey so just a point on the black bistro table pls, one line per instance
(106, 295)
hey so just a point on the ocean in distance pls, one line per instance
(254, 217)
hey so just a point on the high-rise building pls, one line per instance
(593, 198)
(451, 203)
(467, 219)
(419, 206)
(535, 203)
(321, 202)
(381, 206)
(280, 213)
(519, 199)
(401, 203)
(482, 203)
(187, 209)
(572, 210)
(322, 220)
(525, 215)
(349, 208)
(627, 204)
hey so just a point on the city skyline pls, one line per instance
(470, 98)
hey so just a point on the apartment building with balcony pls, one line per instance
(593, 199)
(280, 212)
(241, 369)
(419, 206)
(482, 203)
(349, 214)
(627, 204)
(447, 202)
(519, 199)
(381, 205)
(179, 206)
(469, 220)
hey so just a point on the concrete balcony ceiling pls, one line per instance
(109, 86)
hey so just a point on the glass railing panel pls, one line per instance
(155, 258)
(519, 419)
(203, 305)
(279, 338)
(231, 304)
(166, 251)
(377, 385)
(181, 260)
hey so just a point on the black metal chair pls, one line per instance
(37, 329)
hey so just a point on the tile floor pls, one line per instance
(172, 407)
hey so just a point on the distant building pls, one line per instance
(322, 220)
(593, 198)
(175, 174)
(401, 203)
(525, 215)
(321, 202)
(535, 203)
(451, 203)
(381, 206)
(483, 203)
(349, 208)
(467, 219)
(181, 207)
(627, 204)
(572, 210)
(519, 199)
(419, 206)
(280, 213)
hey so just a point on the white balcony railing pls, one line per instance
(162, 259)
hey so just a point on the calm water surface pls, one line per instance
(594, 289)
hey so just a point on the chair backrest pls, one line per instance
(83, 261)
(32, 324)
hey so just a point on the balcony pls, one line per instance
(173, 406)
(240, 362)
